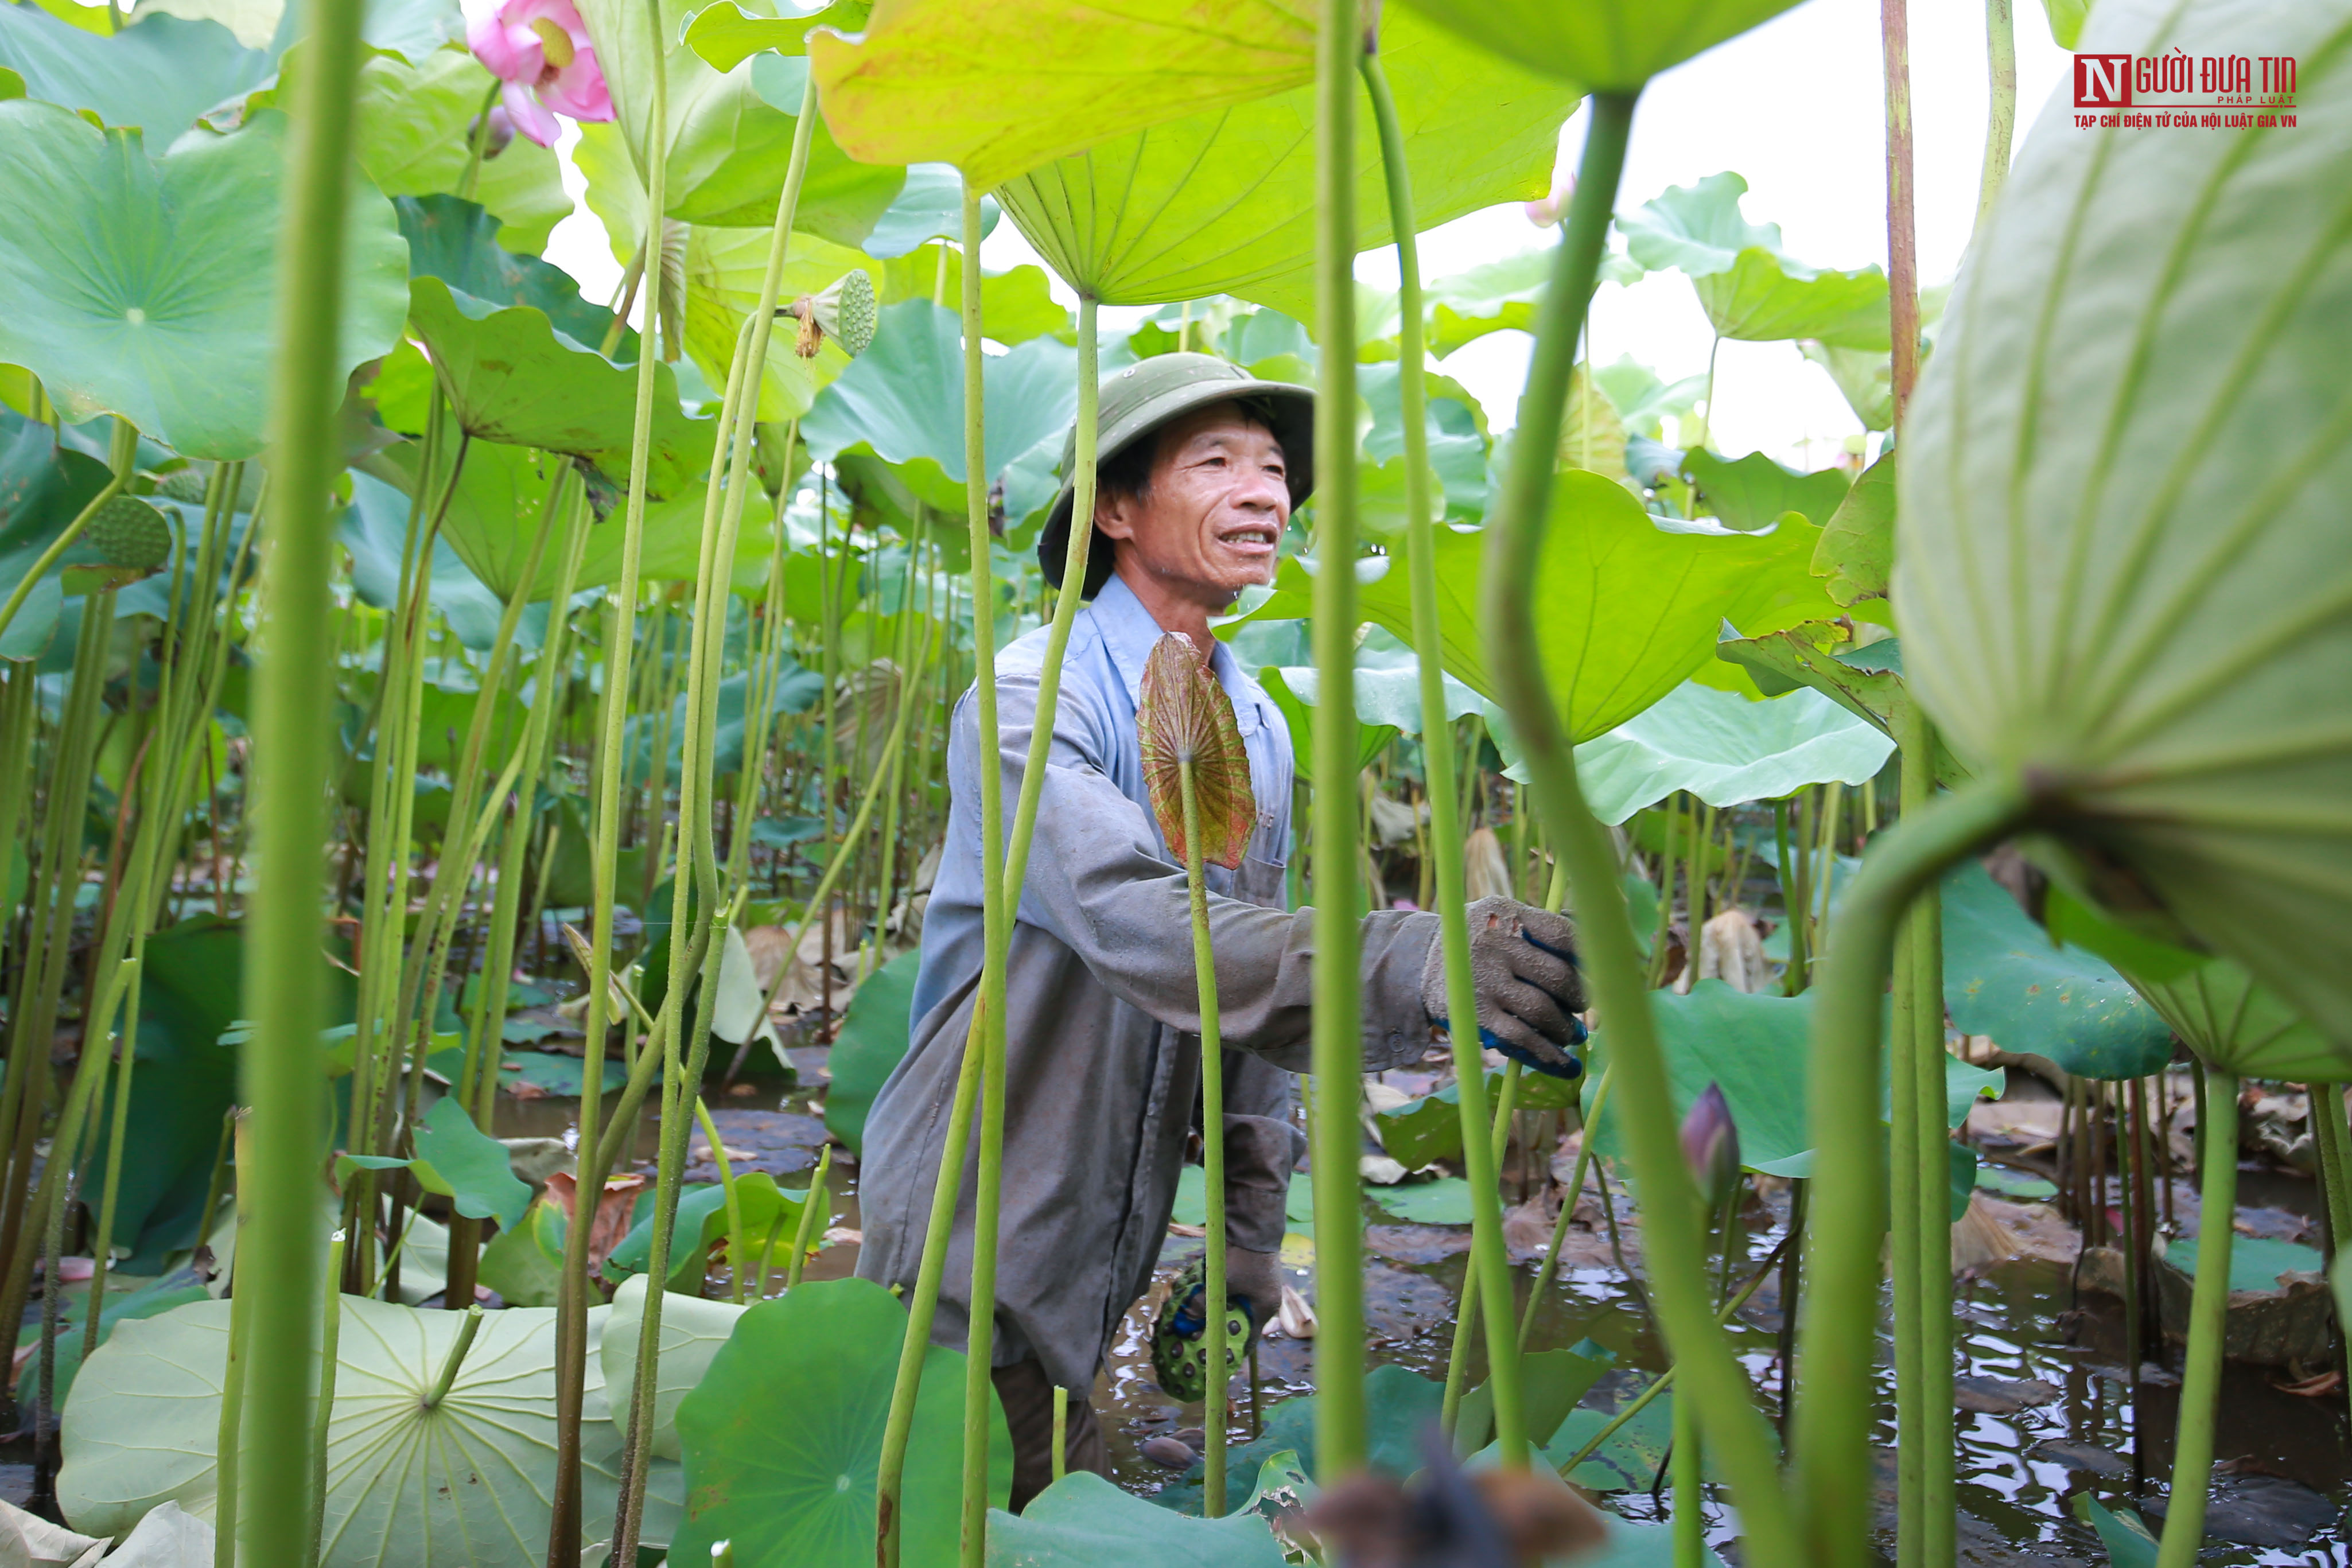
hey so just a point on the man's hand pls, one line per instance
(1255, 1279)
(1523, 964)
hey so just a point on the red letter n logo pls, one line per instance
(2103, 81)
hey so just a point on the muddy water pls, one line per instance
(2287, 1459)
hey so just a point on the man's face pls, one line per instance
(1209, 522)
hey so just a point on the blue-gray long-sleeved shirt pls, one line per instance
(1103, 1048)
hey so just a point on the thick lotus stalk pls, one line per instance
(293, 734)
(2209, 1310)
(1673, 1228)
(1490, 1259)
(572, 1332)
(922, 1301)
(1198, 774)
(1338, 1050)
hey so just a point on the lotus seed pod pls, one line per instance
(2121, 573)
(846, 311)
(184, 484)
(130, 534)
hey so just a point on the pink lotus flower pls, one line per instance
(541, 50)
(1547, 211)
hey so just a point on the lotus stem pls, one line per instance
(2000, 112)
(819, 1202)
(1689, 1478)
(2209, 1314)
(1830, 1431)
(466, 1330)
(1062, 1428)
(101, 1247)
(1212, 1154)
(1901, 234)
(1673, 1224)
(228, 1449)
(737, 1252)
(1584, 1158)
(1338, 1050)
(1905, 1247)
(1490, 1259)
(1923, 927)
(572, 1323)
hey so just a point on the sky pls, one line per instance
(1795, 107)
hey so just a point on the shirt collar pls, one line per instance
(1128, 632)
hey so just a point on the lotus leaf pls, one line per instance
(902, 401)
(2255, 1261)
(463, 1484)
(1399, 1406)
(176, 1289)
(525, 1264)
(1857, 549)
(1727, 751)
(1631, 1460)
(1606, 564)
(148, 287)
(1083, 1520)
(874, 1033)
(1643, 401)
(999, 89)
(465, 245)
(1552, 1383)
(724, 271)
(2141, 606)
(2121, 1531)
(725, 36)
(1748, 288)
(2225, 1017)
(1298, 714)
(414, 139)
(1753, 492)
(1614, 45)
(689, 1256)
(1186, 720)
(1223, 203)
(800, 1493)
(44, 486)
(511, 377)
(373, 528)
(2005, 977)
(159, 75)
(930, 206)
(729, 143)
(1444, 1201)
(1015, 305)
(692, 1330)
(455, 1158)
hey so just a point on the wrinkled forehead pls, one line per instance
(1233, 421)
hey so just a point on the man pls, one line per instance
(1199, 469)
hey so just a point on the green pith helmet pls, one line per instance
(1146, 395)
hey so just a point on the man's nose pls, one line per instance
(1263, 492)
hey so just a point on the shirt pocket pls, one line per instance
(1260, 880)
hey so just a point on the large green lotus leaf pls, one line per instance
(462, 1484)
(1000, 86)
(158, 76)
(1643, 401)
(374, 528)
(1224, 202)
(511, 377)
(1299, 714)
(1400, 1405)
(729, 143)
(464, 244)
(874, 1037)
(1606, 565)
(1752, 492)
(1727, 751)
(1552, 1383)
(1765, 298)
(692, 1330)
(2003, 977)
(1696, 229)
(148, 289)
(494, 515)
(799, 1492)
(2221, 1014)
(724, 270)
(2119, 564)
(413, 140)
(902, 400)
(1607, 44)
(471, 1167)
(1083, 1520)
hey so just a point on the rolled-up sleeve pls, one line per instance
(1097, 881)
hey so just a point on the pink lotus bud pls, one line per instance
(1551, 209)
(1711, 1144)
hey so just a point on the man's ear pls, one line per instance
(1115, 515)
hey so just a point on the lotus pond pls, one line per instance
(474, 769)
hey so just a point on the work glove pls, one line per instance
(1253, 1283)
(1523, 964)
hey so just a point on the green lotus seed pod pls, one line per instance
(852, 312)
(2121, 574)
(184, 484)
(130, 534)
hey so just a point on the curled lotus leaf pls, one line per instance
(1608, 45)
(2120, 560)
(1186, 720)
